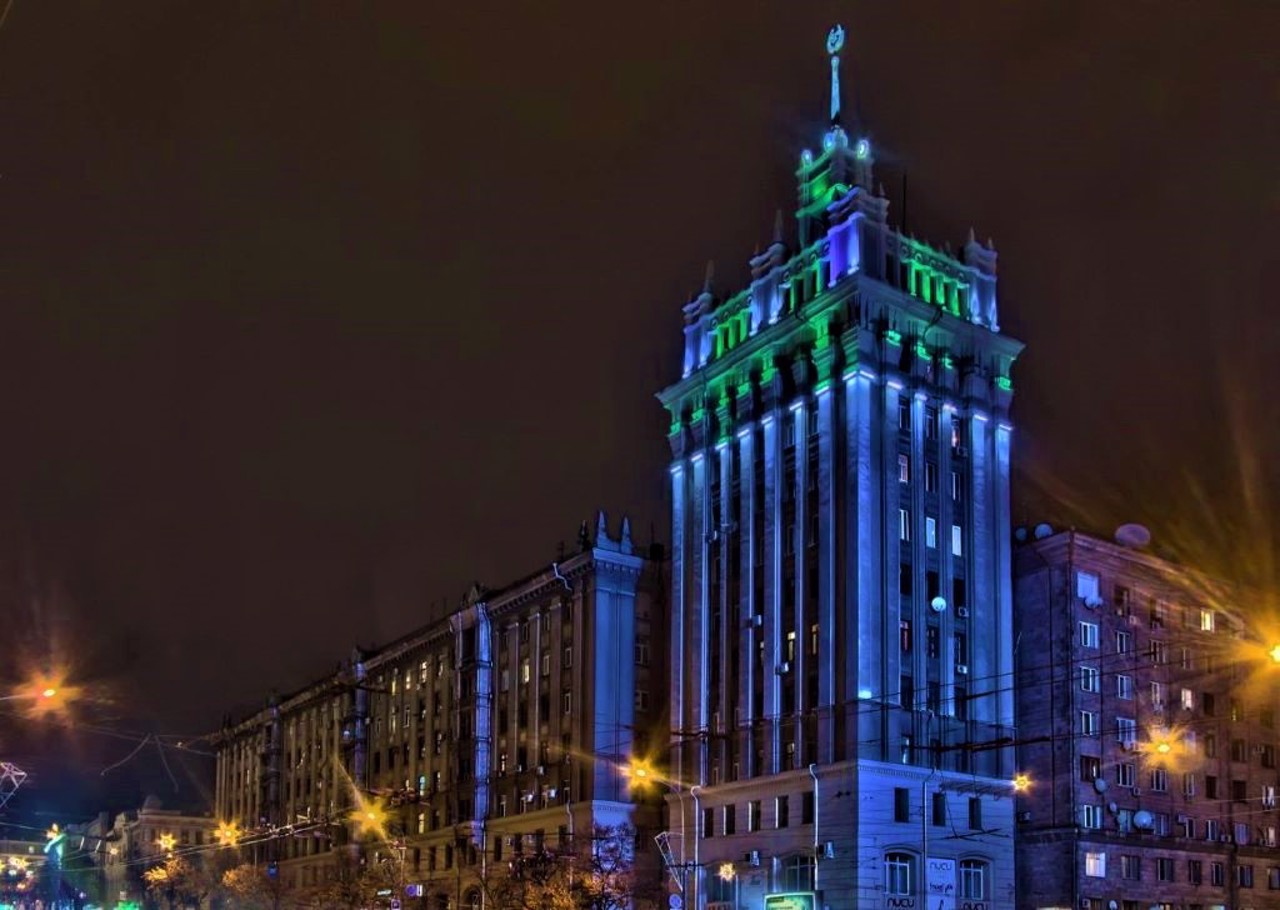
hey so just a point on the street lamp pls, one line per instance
(1021, 782)
(640, 773)
(228, 834)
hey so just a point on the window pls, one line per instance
(709, 822)
(1208, 704)
(1210, 786)
(1241, 833)
(1239, 791)
(1158, 652)
(1267, 755)
(1124, 642)
(642, 650)
(1273, 878)
(904, 414)
(1088, 723)
(1090, 768)
(904, 468)
(1088, 635)
(544, 664)
(904, 635)
(566, 701)
(782, 806)
(1126, 774)
(753, 815)
(1159, 780)
(1157, 695)
(1195, 871)
(1244, 876)
(930, 477)
(973, 879)
(1124, 687)
(1126, 730)
(1217, 874)
(1238, 751)
(1164, 869)
(1210, 746)
(1212, 829)
(1188, 784)
(1188, 699)
(904, 524)
(1089, 679)
(939, 811)
(1268, 796)
(730, 820)
(1206, 621)
(931, 533)
(955, 485)
(1131, 867)
(1091, 816)
(797, 873)
(806, 808)
(975, 813)
(1095, 865)
(957, 541)
(1087, 586)
(525, 673)
(898, 873)
(901, 804)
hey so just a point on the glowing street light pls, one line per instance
(1021, 782)
(228, 834)
(369, 816)
(726, 872)
(167, 842)
(1274, 653)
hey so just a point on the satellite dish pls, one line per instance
(1144, 820)
(1020, 534)
(1112, 807)
(938, 604)
(1100, 784)
(1134, 536)
(1042, 531)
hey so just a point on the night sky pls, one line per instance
(313, 313)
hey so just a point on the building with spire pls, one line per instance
(842, 712)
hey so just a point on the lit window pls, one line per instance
(524, 670)
(931, 533)
(1088, 635)
(1087, 586)
(957, 541)
(1095, 865)
(904, 468)
(904, 524)
(1206, 620)
(1188, 699)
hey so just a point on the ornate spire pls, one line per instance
(835, 41)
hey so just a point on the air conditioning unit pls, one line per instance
(1024, 817)
(1225, 839)
(962, 612)
(1134, 620)
(542, 770)
(783, 668)
(1137, 791)
(751, 858)
(552, 792)
(962, 669)
(829, 850)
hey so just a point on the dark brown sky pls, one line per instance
(311, 313)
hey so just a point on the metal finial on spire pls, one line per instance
(835, 41)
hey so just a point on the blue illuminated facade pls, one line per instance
(841, 618)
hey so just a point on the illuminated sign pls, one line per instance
(797, 900)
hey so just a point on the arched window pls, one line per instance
(898, 873)
(973, 879)
(473, 900)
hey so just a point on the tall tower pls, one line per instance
(842, 647)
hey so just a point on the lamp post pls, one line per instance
(642, 774)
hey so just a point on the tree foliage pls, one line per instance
(177, 883)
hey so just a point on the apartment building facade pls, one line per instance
(1147, 722)
(842, 630)
(500, 730)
